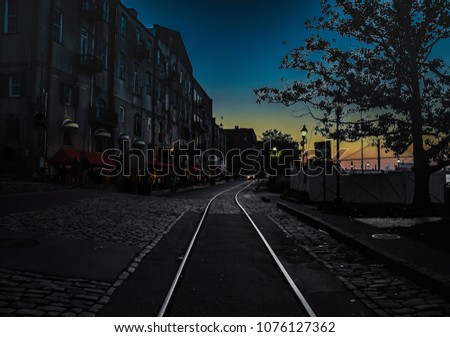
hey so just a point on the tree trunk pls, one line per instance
(422, 199)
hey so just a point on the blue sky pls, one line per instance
(235, 47)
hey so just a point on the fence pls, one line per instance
(391, 187)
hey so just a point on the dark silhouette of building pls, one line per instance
(89, 75)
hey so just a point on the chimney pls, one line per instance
(236, 127)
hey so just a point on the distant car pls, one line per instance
(251, 177)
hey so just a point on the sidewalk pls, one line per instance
(427, 265)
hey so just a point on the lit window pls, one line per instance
(57, 26)
(14, 85)
(11, 16)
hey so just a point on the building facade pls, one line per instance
(83, 76)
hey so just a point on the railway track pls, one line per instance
(192, 260)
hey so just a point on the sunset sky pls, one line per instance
(236, 46)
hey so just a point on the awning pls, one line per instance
(65, 157)
(69, 124)
(123, 136)
(102, 133)
(95, 159)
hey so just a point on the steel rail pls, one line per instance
(291, 282)
(175, 281)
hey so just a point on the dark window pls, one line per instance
(122, 60)
(149, 82)
(106, 10)
(14, 85)
(11, 18)
(123, 25)
(105, 49)
(57, 26)
(136, 72)
(121, 114)
(137, 125)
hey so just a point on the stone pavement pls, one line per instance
(68, 258)
(383, 288)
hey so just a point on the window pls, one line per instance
(121, 114)
(84, 42)
(158, 90)
(14, 85)
(123, 25)
(105, 55)
(149, 46)
(149, 123)
(158, 57)
(11, 16)
(181, 77)
(106, 10)
(136, 72)
(149, 82)
(57, 26)
(137, 125)
(68, 97)
(122, 60)
(138, 36)
(101, 111)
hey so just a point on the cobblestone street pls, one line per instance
(122, 219)
(380, 288)
(139, 223)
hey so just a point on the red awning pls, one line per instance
(65, 157)
(95, 158)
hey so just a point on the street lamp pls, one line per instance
(303, 132)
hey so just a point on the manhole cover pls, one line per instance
(386, 236)
(17, 243)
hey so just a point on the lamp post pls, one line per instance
(304, 132)
(338, 200)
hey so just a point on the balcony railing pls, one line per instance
(91, 10)
(90, 64)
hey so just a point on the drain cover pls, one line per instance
(17, 243)
(385, 236)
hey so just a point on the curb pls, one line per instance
(421, 275)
